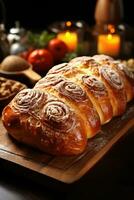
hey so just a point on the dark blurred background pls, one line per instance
(41, 13)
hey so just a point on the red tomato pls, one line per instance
(58, 49)
(41, 60)
(25, 54)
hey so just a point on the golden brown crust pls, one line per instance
(78, 68)
(115, 87)
(103, 59)
(71, 93)
(126, 75)
(59, 68)
(67, 106)
(55, 128)
(113, 81)
(129, 75)
(99, 96)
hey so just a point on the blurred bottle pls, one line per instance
(17, 37)
(108, 17)
(109, 12)
(16, 33)
(4, 44)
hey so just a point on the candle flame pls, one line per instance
(70, 38)
(109, 37)
(68, 34)
(111, 28)
(109, 44)
(68, 23)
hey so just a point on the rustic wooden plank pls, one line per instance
(67, 169)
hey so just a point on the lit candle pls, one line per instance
(70, 38)
(109, 44)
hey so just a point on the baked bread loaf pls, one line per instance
(69, 105)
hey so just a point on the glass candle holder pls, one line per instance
(127, 33)
(108, 40)
(73, 33)
(69, 37)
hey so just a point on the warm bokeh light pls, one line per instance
(68, 23)
(70, 38)
(109, 44)
(111, 28)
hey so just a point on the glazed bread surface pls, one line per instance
(70, 104)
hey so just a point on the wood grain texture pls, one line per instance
(67, 169)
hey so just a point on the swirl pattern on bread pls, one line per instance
(70, 104)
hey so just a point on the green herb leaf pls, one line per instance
(69, 56)
(40, 40)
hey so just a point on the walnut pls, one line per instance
(8, 89)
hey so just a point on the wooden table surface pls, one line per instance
(111, 177)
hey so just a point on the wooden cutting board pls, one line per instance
(67, 169)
